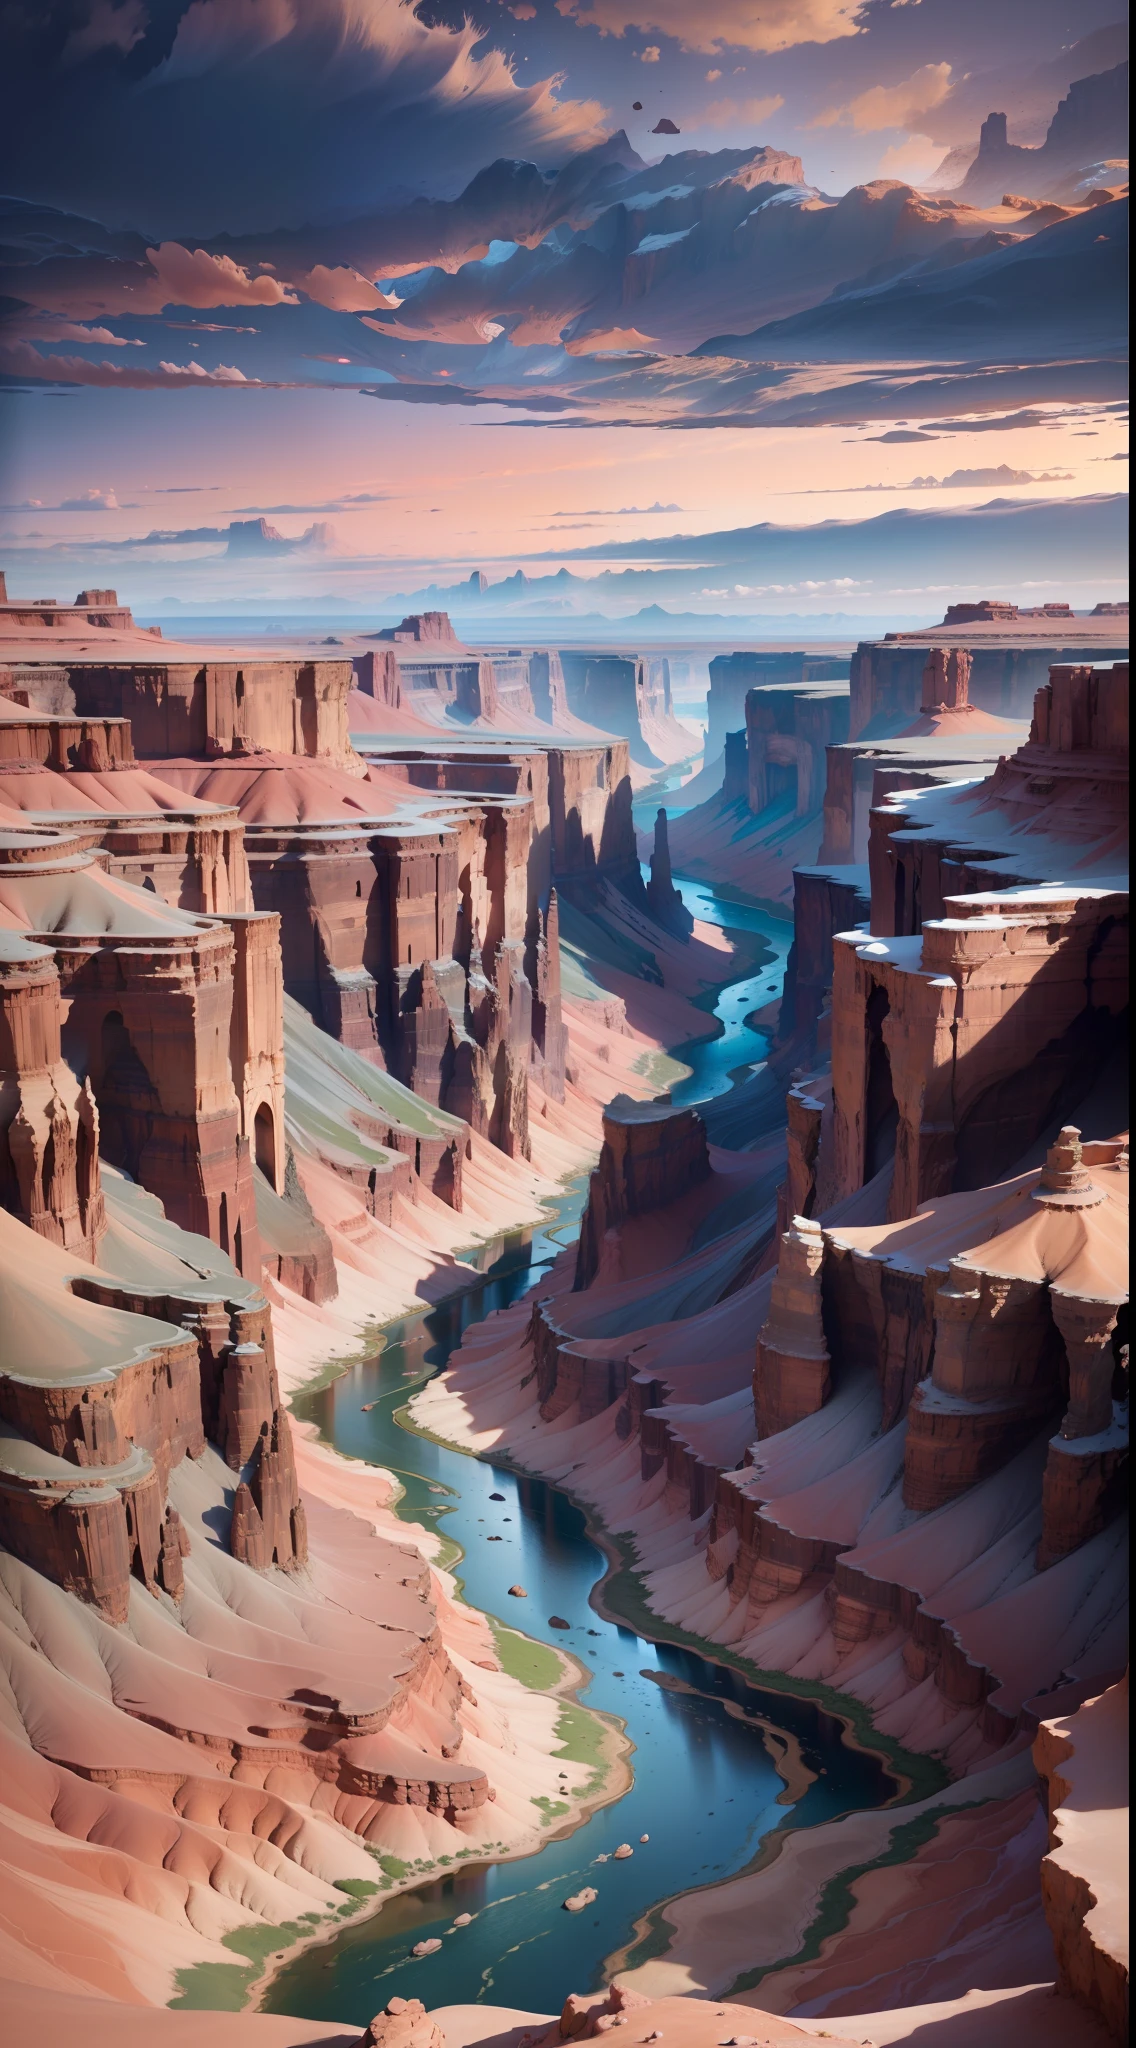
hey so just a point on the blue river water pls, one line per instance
(717, 1763)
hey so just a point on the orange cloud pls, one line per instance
(343, 290)
(717, 24)
(892, 106)
(20, 359)
(198, 279)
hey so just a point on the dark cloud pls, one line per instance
(213, 115)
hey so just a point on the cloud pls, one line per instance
(343, 290)
(993, 423)
(20, 359)
(650, 55)
(352, 501)
(110, 25)
(245, 115)
(741, 113)
(198, 279)
(718, 24)
(913, 161)
(207, 327)
(225, 373)
(958, 480)
(891, 106)
(47, 328)
(90, 501)
(83, 287)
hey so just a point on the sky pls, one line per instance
(257, 230)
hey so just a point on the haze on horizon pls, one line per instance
(438, 289)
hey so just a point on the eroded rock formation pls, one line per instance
(652, 1154)
(881, 1443)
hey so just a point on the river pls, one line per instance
(718, 1764)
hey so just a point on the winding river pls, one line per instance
(718, 1764)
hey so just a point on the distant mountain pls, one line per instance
(1079, 539)
(1063, 288)
(1090, 126)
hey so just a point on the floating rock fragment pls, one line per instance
(518, 1593)
(558, 1621)
(623, 1852)
(496, 1496)
(579, 1900)
(644, 1838)
(427, 1947)
(463, 1920)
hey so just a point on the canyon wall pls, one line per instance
(1011, 653)
(767, 815)
(874, 1434)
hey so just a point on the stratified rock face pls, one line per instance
(571, 1370)
(295, 1248)
(963, 1326)
(995, 1380)
(49, 1128)
(787, 732)
(963, 1020)
(222, 708)
(946, 680)
(663, 900)
(547, 691)
(91, 745)
(1083, 1758)
(166, 1015)
(652, 1153)
(422, 936)
(1010, 656)
(152, 1022)
(629, 696)
(825, 901)
(792, 1372)
(1087, 1470)
(269, 1525)
(104, 1389)
(377, 675)
(420, 627)
(403, 2023)
(732, 676)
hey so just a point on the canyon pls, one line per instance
(325, 973)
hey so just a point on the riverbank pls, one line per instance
(896, 1882)
(561, 1137)
(365, 1411)
(526, 1694)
